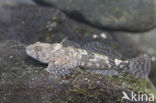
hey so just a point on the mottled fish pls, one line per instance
(65, 56)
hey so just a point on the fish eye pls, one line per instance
(38, 48)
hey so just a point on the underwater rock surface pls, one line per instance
(24, 80)
(30, 23)
(128, 15)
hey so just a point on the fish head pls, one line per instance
(42, 52)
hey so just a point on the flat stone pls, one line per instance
(130, 15)
(32, 23)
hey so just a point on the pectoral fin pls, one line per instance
(61, 67)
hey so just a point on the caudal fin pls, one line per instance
(140, 66)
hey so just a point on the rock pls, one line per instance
(130, 15)
(30, 23)
(23, 80)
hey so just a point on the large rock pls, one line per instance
(132, 15)
(30, 23)
(24, 80)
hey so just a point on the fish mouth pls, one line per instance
(30, 53)
(26, 49)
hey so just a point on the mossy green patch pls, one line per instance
(134, 83)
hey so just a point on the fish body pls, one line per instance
(95, 56)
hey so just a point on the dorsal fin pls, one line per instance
(103, 49)
(65, 42)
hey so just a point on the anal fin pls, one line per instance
(106, 72)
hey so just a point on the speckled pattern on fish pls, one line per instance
(65, 56)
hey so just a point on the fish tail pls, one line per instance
(140, 66)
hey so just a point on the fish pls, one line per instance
(63, 57)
